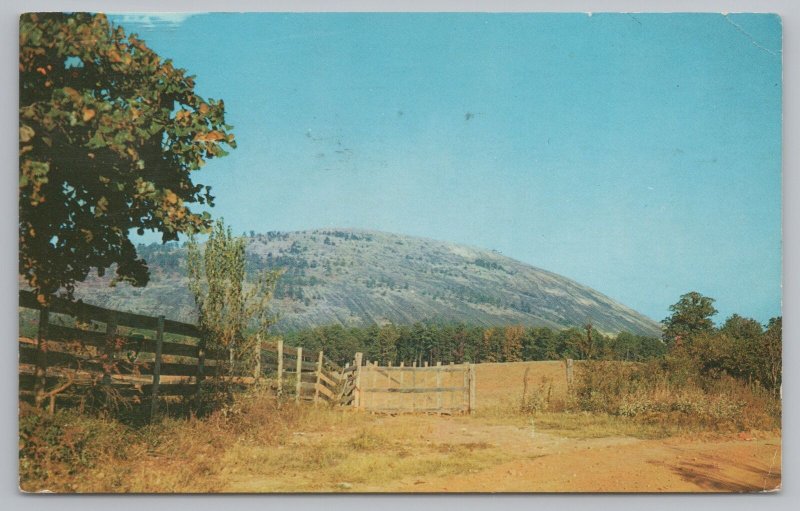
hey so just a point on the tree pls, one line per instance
(540, 344)
(744, 339)
(491, 345)
(585, 345)
(772, 357)
(386, 343)
(227, 305)
(691, 315)
(512, 343)
(109, 133)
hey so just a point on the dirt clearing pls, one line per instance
(463, 454)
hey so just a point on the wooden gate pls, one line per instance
(435, 389)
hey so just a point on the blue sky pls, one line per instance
(637, 154)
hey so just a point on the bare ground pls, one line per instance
(463, 454)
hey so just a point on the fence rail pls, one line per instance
(171, 360)
(148, 366)
(434, 389)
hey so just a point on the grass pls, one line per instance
(256, 444)
(577, 424)
(591, 425)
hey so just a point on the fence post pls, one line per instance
(319, 378)
(298, 385)
(280, 367)
(257, 370)
(438, 385)
(157, 368)
(372, 385)
(357, 391)
(108, 349)
(465, 393)
(41, 357)
(413, 386)
(201, 368)
(472, 389)
(568, 363)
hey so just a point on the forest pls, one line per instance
(461, 342)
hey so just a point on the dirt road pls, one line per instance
(464, 454)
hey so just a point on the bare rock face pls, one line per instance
(357, 277)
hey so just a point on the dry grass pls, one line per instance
(620, 399)
(257, 444)
(260, 444)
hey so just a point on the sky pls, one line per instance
(637, 154)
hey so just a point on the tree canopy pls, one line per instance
(691, 315)
(109, 133)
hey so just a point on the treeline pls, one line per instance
(460, 343)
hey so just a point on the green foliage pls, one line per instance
(109, 133)
(386, 345)
(227, 305)
(691, 315)
(460, 343)
(740, 349)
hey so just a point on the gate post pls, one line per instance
(319, 378)
(357, 390)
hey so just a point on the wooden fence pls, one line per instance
(133, 356)
(81, 347)
(435, 389)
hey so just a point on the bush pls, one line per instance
(672, 392)
(538, 399)
(69, 451)
(51, 448)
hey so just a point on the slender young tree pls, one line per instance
(228, 306)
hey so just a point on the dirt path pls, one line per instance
(465, 454)
(625, 465)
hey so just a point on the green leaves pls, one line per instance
(691, 315)
(227, 304)
(97, 103)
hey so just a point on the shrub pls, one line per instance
(53, 447)
(539, 398)
(670, 391)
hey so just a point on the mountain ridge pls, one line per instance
(360, 276)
